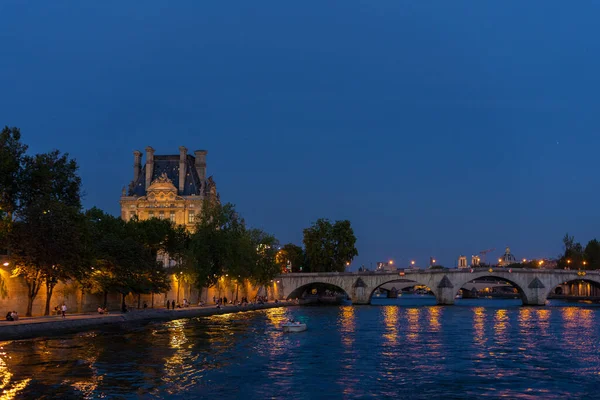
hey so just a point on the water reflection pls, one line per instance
(434, 318)
(414, 328)
(347, 352)
(390, 319)
(347, 325)
(9, 388)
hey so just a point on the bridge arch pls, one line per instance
(401, 281)
(298, 292)
(594, 280)
(519, 286)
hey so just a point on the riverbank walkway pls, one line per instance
(30, 327)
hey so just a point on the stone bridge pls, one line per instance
(534, 285)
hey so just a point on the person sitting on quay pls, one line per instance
(102, 310)
(145, 305)
(14, 315)
(9, 316)
(173, 304)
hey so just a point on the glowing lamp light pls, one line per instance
(524, 260)
(412, 263)
(391, 261)
(5, 264)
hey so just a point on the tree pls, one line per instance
(329, 247)
(12, 153)
(592, 254)
(573, 255)
(48, 239)
(264, 249)
(291, 254)
(212, 246)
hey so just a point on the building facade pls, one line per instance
(170, 187)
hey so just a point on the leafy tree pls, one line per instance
(48, 239)
(592, 254)
(12, 153)
(264, 250)
(212, 245)
(329, 247)
(290, 254)
(573, 255)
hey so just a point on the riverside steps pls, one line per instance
(32, 327)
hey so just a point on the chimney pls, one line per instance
(149, 165)
(182, 168)
(200, 163)
(137, 165)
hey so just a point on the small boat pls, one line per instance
(293, 326)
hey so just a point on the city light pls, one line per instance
(585, 262)
(568, 261)
(412, 263)
(524, 260)
(391, 262)
(433, 261)
(541, 262)
(5, 264)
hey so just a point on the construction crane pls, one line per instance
(484, 252)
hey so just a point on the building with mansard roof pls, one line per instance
(170, 187)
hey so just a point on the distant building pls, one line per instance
(462, 262)
(507, 258)
(385, 267)
(170, 187)
(475, 261)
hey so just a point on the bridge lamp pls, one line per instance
(499, 260)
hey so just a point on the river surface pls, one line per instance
(405, 348)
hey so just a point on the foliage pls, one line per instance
(437, 267)
(292, 254)
(48, 238)
(329, 247)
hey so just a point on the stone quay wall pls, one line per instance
(13, 295)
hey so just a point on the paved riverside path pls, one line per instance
(30, 327)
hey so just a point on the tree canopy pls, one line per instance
(329, 247)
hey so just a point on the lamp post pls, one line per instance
(178, 284)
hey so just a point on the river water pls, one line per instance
(405, 348)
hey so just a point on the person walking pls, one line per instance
(173, 304)
(63, 310)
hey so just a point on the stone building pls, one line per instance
(507, 259)
(168, 187)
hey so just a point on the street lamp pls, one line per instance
(391, 262)
(5, 264)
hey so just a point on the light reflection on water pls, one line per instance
(490, 348)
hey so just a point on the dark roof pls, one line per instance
(170, 166)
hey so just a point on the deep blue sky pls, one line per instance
(436, 127)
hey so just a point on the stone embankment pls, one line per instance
(27, 328)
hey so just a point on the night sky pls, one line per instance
(438, 128)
